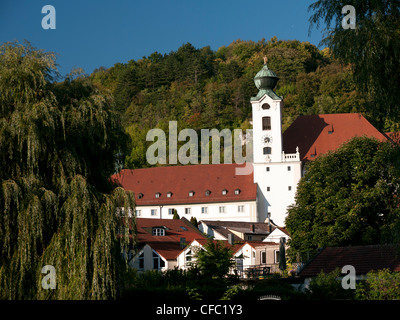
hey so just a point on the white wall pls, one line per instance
(278, 179)
(249, 257)
(275, 236)
(148, 260)
(210, 231)
(249, 214)
(276, 124)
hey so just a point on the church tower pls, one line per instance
(275, 172)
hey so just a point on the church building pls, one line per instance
(218, 192)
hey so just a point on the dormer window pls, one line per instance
(191, 193)
(237, 191)
(169, 194)
(208, 192)
(140, 196)
(224, 192)
(158, 231)
(158, 194)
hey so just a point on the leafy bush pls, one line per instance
(379, 285)
(327, 286)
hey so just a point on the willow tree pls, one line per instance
(57, 205)
(372, 49)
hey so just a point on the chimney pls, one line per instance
(182, 242)
(230, 238)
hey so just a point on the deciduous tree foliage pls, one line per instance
(372, 49)
(347, 197)
(57, 205)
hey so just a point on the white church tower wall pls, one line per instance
(276, 173)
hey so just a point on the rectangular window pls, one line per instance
(289, 188)
(222, 209)
(204, 210)
(289, 168)
(268, 188)
(267, 150)
(141, 261)
(263, 257)
(240, 208)
(158, 232)
(138, 213)
(153, 212)
(267, 168)
(170, 211)
(187, 210)
(266, 123)
(277, 256)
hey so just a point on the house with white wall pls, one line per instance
(160, 242)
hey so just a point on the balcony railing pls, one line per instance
(291, 156)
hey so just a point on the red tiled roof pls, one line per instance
(318, 134)
(362, 258)
(168, 246)
(180, 180)
(234, 247)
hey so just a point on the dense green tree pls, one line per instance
(372, 49)
(347, 197)
(57, 204)
(215, 261)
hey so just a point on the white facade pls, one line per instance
(276, 173)
(276, 235)
(237, 211)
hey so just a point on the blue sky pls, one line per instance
(90, 34)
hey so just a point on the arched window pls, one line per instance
(267, 150)
(265, 106)
(266, 123)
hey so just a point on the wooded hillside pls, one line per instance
(202, 88)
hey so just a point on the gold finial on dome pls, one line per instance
(265, 59)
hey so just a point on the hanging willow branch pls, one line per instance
(57, 204)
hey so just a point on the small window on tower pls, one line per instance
(267, 168)
(267, 150)
(265, 106)
(266, 123)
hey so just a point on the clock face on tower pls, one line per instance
(266, 139)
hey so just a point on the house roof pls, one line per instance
(168, 246)
(317, 134)
(362, 258)
(180, 180)
(234, 247)
(224, 227)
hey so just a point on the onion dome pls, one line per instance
(265, 81)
